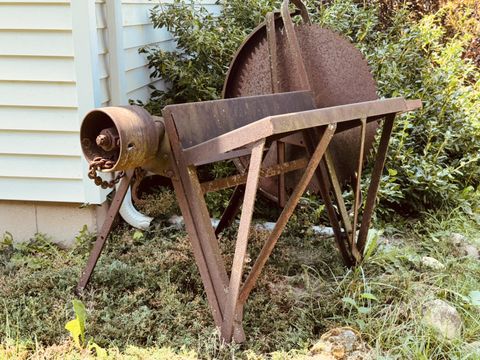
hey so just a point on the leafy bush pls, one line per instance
(416, 52)
(205, 45)
(435, 152)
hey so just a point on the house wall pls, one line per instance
(39, 152)
(42, 173)
(58, 60)
(138, 32)
(103, 55)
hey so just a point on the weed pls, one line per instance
(146, 292)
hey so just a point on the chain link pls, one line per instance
(99, 164)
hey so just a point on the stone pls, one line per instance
(442, 317)
(472, 348)
(464, 246)
(432, 263)
(470, 250)
(457, 238)
(340, 344)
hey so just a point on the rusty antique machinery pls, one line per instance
(300, 110)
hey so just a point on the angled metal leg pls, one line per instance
(324, 186)
(281, 177)
(242, 240)
(206, 249)
(285, 215)
(375, 181)
(105, 230)
(231, 209)
(201, 234)
(337, 192)
(357, 193)
(198, 253)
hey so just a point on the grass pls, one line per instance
(146, 299)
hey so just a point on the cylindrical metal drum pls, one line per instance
(128, 137)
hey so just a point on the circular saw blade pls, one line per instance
(338, 75)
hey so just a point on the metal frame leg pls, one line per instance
(201, 234)
(375, 181)
(337, 191)
(281, 177)
(358, 193)
(242, 240)
(324, 187)
(231, 209)
(285, 215)
(357, 246)
(105, 231)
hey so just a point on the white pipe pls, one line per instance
(131, 215)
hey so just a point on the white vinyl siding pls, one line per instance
(39, 150)
(60, 167)
(34, 68)
(34, 188)
(103, 64)
(38, 93)
(35, 42)
(58, 60)
(32, 118)
(32, 16)
(138, 32)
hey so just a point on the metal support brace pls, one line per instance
(242, 240)
(287, 213)
(106, 227)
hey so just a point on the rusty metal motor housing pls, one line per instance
(128, 137)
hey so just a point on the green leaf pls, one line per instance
(372, 241)
(392, 172)
(137, 235)
(100, 352)
(368, 296)
(76, 327)
(73, 326)
(364, 310)
(80, 311)
(350, 301)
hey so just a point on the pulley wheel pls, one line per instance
(338, 74)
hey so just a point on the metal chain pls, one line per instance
(98, 164)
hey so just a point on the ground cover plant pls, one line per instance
(146, 295)
(146, 300)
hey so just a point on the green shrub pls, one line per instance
(435, 152)
(205, 45)
(434, 155)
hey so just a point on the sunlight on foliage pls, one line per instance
(76, 327)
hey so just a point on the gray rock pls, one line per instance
(470, 250)
(442, 317)
(472, 348)
(464, 246)
(458, 239)
(432, 263)
(347, 338)
(340, 344)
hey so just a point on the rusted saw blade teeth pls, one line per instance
(338, 74)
